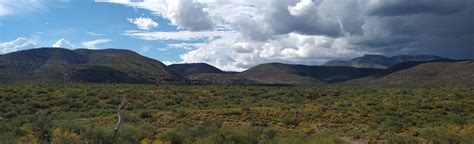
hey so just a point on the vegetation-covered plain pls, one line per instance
(86, 113)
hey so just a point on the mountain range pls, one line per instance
(380, 61)
(277, 73)
(444, 72)
(57, 65)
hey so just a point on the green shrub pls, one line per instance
(440, 135)
(290, 121)
(145, 114)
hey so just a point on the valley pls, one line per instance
(235, 114)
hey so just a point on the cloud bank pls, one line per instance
(312, 31)
(18, 44)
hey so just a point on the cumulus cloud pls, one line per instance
(144, 23)
(93, 43)
(185, 14)
(189, 15)
(303, 7)
(312, 31)
(236, 53)
(62, 43)
(20, 43)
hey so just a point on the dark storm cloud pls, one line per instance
(418, 27)
(307, 21)
(385, 26)
(286, 17)
(382, 42)
(391, 27)
(410, 7)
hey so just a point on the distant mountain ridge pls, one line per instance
(277, 73)
(380, 61)
(442, 72)
(82, 65)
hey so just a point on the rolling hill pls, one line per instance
(424, 74)
(202, 73)
(194, 68)
(277, 73)
(380, 61)
(83, 65)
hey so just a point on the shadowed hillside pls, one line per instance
(424, 73)
(276, 73)
(82, 65)
(214, 78)
(380, 61)
(194, 68)
(202, 73)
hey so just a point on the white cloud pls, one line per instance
(170, 62)
(188, 15)
(95, 34)
(185, 46)
(237, 53)
(185, 14)
(303, 7)
(62, 43)
(20, 43)
(178, 35)
(92, 44)
(144, 23)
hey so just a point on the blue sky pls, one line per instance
(236, 35)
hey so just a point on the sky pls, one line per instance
(235, 35)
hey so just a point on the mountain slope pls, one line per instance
(203, 74)
(194, 68)
(83, 65)
(217, 78)
(424, 73)
(276, 73)
(382, 62)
